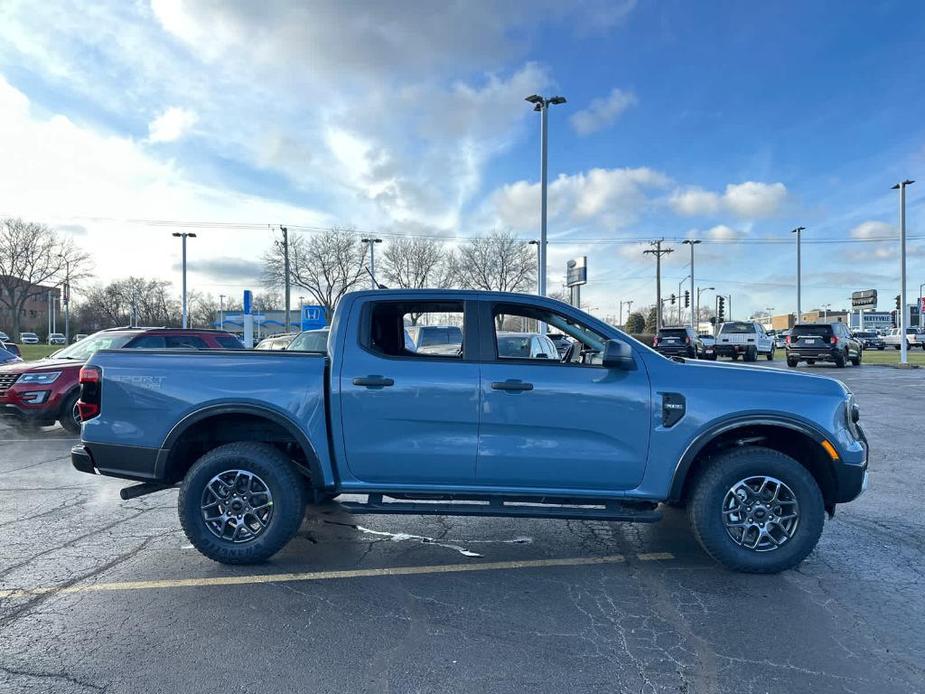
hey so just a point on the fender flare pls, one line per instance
(193, 418)
(717, 429)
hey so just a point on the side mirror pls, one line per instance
(617, 355)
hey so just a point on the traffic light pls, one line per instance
(721, 311)
(673, 297)
(687, 298)
(897, 302)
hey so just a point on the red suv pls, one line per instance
(38, 393)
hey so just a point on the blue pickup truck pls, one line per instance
(609, 431)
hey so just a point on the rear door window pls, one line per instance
(148, 342)
(229, 342)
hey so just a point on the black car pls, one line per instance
(681, 342)
(869, 339)
(561, 342)
(812, 342)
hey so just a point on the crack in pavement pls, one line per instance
(61, 676)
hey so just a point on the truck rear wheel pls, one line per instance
(756, 510)
(751, 353)
(241, 503)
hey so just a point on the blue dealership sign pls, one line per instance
(314, 317)
(248, 301)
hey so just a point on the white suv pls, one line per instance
(28, 338)
(746, 339)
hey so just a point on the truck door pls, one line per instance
(550, 424)
(409, 412)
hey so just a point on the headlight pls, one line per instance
(852, 415)
(43, 378)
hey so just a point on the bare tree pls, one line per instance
(326, 265)
(497, 262)
(415, 263)
(113, 305)
(32, 258)
(203, 309)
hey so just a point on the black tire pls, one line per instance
(67, 417)
(810, 361)
(771, 354)
(856, 361)
(883, 347)
(705, 508)
(735, 357)
(896, 346)
(840, 358)
(273, 467)
(712, 357)
(792, 363)
(751, 354)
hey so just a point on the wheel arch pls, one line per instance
(215, 425)
(799, 440)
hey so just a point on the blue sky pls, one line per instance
(728, 122)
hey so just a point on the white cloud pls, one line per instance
(721, 232)
(694, 201)
(872, 230)
(602, 112)
(613, 198)
(755, 199)
(171, 125)
(749, 200)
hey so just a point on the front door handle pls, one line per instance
(373, 381)
(511, 385)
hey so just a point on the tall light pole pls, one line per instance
(285, 232)
(184, 235)
(901, 187)
(66, 296)
(798, 231)
(692, 243)
(629, 308)
(770, 312)
(221, 311)
(825, 312)
(301, 309)
(542, 104)
(539, 265)
(371, 242)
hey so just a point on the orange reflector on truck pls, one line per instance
(830, 449)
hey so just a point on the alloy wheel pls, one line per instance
(760, 513)
(237, 506)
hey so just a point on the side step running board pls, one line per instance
(612, 511)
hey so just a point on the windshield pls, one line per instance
(310, 341)
(672, 332)
(818, 330)
(737, 327)
(445, 335)
(86, 348)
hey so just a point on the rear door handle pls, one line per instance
(373, 381)
(511, 385)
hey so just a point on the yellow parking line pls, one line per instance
(328, 575)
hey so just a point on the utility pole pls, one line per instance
(695, 309)
(798, 231)
(183, 236)
(542, 104)
(286, 271)
(372, 260)
(903, 320)
(658, 252)
(221, 311)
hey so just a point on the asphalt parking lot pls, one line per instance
(97, 594)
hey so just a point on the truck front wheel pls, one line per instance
(756, 510)
(241, 503)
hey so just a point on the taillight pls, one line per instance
(655, 342)
(834, 340)
(88, 406)
(787, 339)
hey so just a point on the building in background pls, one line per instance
(873, 320)
(34, 316)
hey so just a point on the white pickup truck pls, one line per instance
(914, 338)
(746, 339)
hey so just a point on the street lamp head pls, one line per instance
(533, 242)
(534, 99)
(556, 100)
(177, 234)
(691, 241)
(798, 230)
(191, 235)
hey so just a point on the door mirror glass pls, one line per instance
(617, 355)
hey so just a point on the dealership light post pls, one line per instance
(920, 305)
(221, 311)
(695, 308)
(183, 236)
(542, 104)
(798, 231)
(901, 187)
(825, 312)
(66, 296)
(372, 260)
